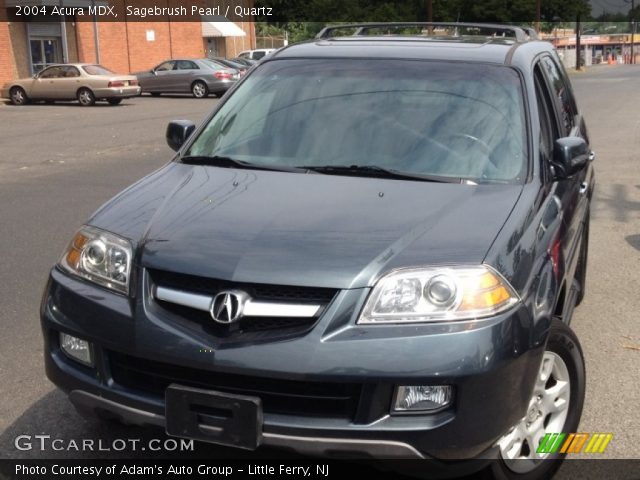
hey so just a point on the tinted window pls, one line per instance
(165, 66)
(258, 55)
(230, 63)
(460, 120)
(562, 92)
(186, 65)
(97, 70)
(215, 65)
(548, 125)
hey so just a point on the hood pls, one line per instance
(303, 229)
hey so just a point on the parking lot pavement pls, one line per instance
(60, 162)
(44, 139)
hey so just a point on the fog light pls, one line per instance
(77, 349)
(422, 398)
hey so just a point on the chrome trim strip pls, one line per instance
(320, 445)
(255, 308)
(252, 308)
(186, 299)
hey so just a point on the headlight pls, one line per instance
(100, 257)
(438, 294)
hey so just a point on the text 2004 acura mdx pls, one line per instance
(372, 246)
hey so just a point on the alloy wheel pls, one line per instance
(85, 97)
(199, 90)
(18, 96)
(547, 412)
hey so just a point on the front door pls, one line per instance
(161, 80)
(45, 87)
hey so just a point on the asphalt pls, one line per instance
(58, 163)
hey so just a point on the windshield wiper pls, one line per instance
(228, 162)
(374, 170)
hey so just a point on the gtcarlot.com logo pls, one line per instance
(574, 443)
(47, 443)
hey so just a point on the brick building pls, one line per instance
(28, 44)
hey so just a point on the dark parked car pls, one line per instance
(244, 61)
(240, 67)
(349, 262)
(198, 76)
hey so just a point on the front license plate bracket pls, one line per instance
(212, 416)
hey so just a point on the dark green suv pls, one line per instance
(373, 246)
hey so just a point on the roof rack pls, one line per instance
(520, 34)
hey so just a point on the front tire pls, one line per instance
(86, 97)
(199, 89)
(18, 96)
(555, 407)
(114, 101)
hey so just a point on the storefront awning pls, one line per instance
(221, 27)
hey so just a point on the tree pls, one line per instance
(304, 18)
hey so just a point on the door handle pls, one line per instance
(584, 186)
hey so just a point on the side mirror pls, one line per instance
(177, 133)
(570, 155)
(152, 72)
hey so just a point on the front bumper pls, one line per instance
(491, 363)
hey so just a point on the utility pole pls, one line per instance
(430, 11)
(578, 53)
(538, 2)
(633, 30)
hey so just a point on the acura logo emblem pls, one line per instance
(227, 306)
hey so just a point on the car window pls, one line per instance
(186, 65)
(440, 118)
(245, 55)
(547, 118)
(215, 65)
(562, 92)
(69, 72)
(97, 70)
(166, 66)
(258, 55)
(51, 72)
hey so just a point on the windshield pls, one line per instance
(422, 117)
(97, 70)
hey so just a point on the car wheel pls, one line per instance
(114, 101)
(199, 89)
(581, 269)
(86, 97)
(18, 96)
(555, 407)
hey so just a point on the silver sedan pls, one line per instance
(80, 81)
(200, 77)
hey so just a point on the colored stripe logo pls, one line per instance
(574, 443)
